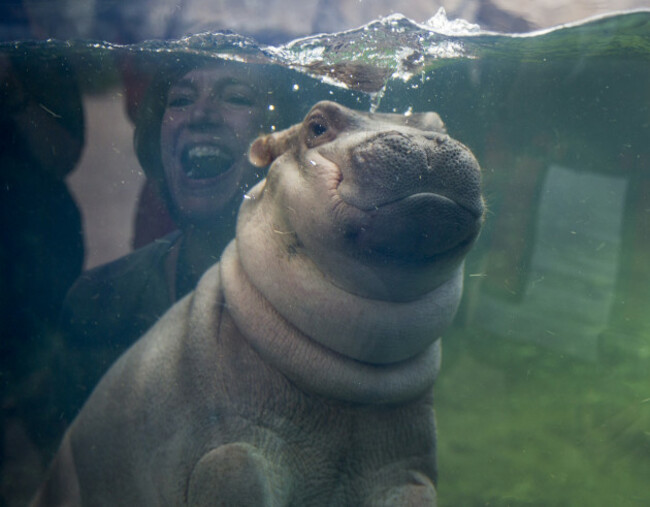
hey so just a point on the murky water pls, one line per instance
(544, 393)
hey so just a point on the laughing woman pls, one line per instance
(191, 138)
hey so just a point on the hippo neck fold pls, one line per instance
(312, 366)
(369, 330)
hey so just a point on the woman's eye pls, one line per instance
(180, 101)
(239, 100)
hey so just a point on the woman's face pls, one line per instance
(212, 115)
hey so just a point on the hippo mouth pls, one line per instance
(206, 161)
(409, 199)
(420, 226)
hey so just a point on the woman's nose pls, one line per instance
(206, 111)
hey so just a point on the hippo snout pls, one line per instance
(392, 149)
(393, 165)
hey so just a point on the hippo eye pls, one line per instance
(318, 128)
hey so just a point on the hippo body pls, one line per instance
(300, 370)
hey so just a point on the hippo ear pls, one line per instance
(426, 121)
(266, 149)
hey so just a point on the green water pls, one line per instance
(544, 394)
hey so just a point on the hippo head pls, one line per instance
(380, 191)
(372, 209)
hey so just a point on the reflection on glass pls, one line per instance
(191, 137)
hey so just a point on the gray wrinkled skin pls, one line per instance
(300, 370)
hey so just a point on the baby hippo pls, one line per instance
(300, 371)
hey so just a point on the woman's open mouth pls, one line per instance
(205, 161)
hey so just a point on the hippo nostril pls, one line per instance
(435, 140)
(391, 146)
(358, 158)
(378, 161)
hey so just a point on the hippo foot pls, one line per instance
(419, 492)
(237, 474)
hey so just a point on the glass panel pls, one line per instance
(124, 165)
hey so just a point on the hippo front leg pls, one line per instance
(238, 474)
(401, 488)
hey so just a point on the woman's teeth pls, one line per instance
(205, 161)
